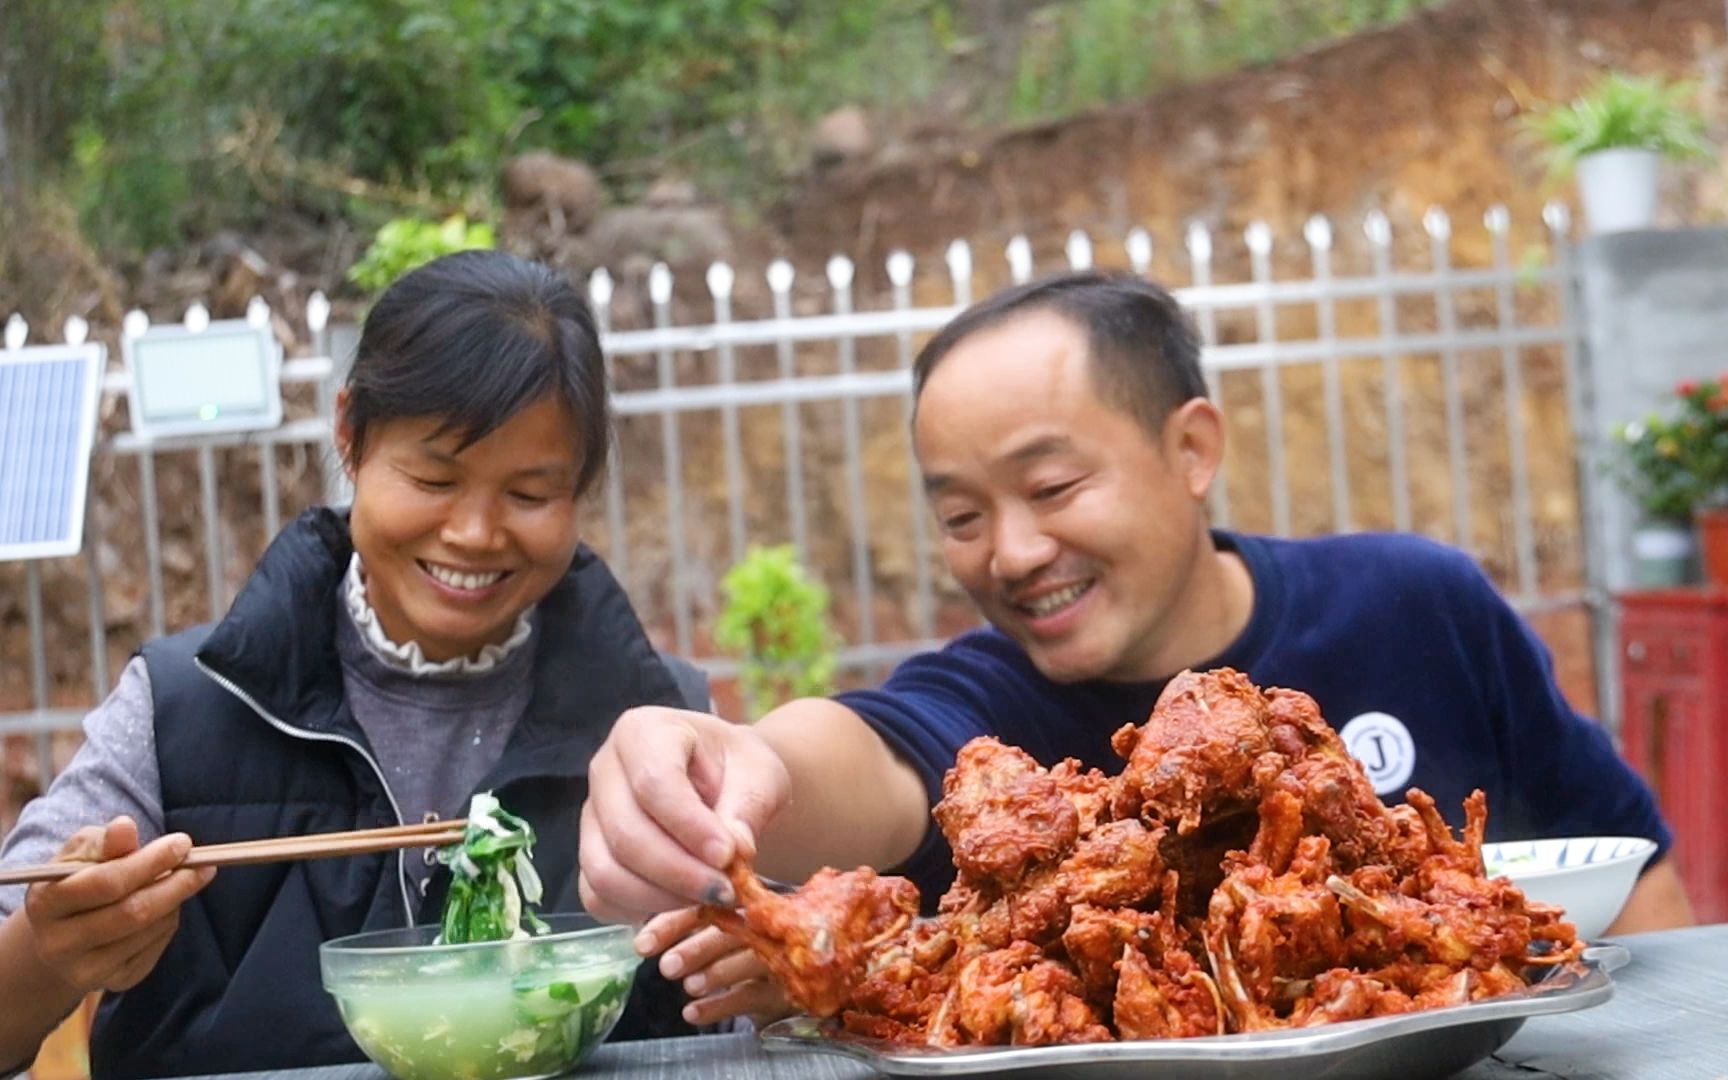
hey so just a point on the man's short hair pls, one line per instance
(1144, 354)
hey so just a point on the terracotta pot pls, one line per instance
(1713, 543)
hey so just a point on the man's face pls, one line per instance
(1073, 528)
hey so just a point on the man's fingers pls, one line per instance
(667, 929)
(697, 951)
(756, 789)
(760, 999)
(665, 787)
(733, 968)
(635, 851)
(614, 892)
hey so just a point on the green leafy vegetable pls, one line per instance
(492, 877)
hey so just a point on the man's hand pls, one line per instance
(104, 927)
(673, 798)
(722, 976)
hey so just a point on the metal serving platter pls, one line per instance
(1434, 1043)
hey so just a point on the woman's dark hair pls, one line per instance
(1144, 355)
(473, 338)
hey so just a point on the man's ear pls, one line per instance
(343, 433)
(1194, 444)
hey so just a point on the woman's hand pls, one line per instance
(104, 927)
(673, 798)
(723, 977)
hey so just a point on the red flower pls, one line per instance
(1687, 388)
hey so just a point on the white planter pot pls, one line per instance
(1664, 556)
(1618, 188)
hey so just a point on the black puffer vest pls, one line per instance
(255, 739)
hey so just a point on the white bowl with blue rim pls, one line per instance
(1589, 876)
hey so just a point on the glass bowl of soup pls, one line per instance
(490, 1010)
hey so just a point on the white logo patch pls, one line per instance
(1382, 743)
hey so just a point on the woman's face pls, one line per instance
(457, 543)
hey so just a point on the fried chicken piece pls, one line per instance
(1095, 937)
(1266, 929)
(1461, 854)
(1198, 859)
(1447, 912)
(1016, 996)
(1002, 812)
(1175, 1001)
(1454, 876)
(906, 978)
(1422, 985)
(1342, 994)
(1117, 865)
(1050, 1007)
(1274, 845)
(817, 941)
(1088, 789)
(875, 1026)
(1194, 757)
(1337, 800)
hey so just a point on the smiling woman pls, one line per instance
(468, 476)
(446, 634)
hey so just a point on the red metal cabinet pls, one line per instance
(1674, 686)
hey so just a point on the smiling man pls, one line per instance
(1067, 447)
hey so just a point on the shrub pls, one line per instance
(1674, 464)
(776, 621)
(405, 243)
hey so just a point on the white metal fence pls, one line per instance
(1371, 381)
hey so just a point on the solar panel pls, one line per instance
(48, 396)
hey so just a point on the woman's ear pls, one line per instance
(1194, 444)
(343, 433)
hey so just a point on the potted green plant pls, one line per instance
(1615, 138)
(775, 620)
(1675, 463)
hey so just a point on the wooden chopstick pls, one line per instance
(277, 849)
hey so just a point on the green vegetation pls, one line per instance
(1673, 463)
(776, 621)
(160, 122)
(1092, 52)
(1624, 111)
(405, 243)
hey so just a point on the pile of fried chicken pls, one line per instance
(1239, 874)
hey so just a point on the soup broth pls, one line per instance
(485, 1025)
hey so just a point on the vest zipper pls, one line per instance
(301, 733)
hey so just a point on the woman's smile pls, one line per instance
(466, 584)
